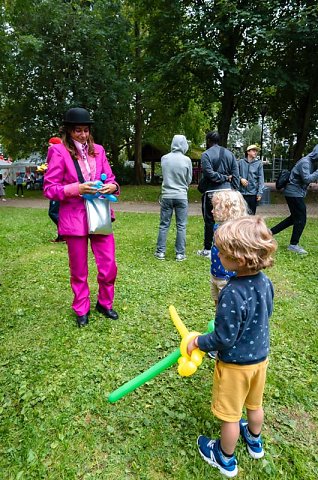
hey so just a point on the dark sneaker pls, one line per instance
(210, 452)
(254, 445)
(212, 354)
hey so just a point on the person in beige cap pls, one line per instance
(251, 177)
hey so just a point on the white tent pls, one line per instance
(5, 168)
(20, 166)
(4, 164)
(131, 163)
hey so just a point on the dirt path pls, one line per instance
(278, 210)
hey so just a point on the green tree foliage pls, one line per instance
(149, 69)
(61, 54)
(217, 53)
(292, 76)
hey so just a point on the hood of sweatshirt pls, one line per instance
(314, 154)
(179, 144)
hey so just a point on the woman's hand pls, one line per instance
(244, 182)
(88, 187)
(108, 188)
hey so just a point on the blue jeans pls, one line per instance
(181, 210)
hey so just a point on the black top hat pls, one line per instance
(77, 116)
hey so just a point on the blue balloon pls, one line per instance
(98, 184)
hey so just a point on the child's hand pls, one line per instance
(192, 346)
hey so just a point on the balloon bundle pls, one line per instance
(187, 364)
(98, 185)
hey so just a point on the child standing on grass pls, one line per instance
(241, 337)
(227, 205)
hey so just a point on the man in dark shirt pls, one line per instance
(220, 169)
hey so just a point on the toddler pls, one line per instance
(241, 337)
(227, 205)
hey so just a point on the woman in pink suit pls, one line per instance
(61, 183)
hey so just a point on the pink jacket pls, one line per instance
(61, 183)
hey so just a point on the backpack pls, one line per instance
(282, 179)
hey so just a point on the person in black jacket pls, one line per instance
(220, 170)
(54, 204)
(303, 173)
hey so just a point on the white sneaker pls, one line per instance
(297, 249)
(16, 194)
(159, 255)
(22, 196)
(204, 253)
(4, 200)
(180, 257)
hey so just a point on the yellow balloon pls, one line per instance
(187, 368)
(184, 344)
(187, 364)
(196, 357)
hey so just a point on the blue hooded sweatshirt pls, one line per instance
(302, 174)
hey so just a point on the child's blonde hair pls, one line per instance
(228, 205)
(247, 239)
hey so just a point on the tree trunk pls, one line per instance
(305, 114)
(226, 115)
(114, 153)
(230, 83)
(139, 174)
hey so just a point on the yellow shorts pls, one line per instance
(236, 386)
(216, 286)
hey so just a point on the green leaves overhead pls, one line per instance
(140, 66)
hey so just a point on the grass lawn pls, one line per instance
(56, 422)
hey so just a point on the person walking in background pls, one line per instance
(177, 176)
(251, 177)
(54, 204)
(220, 171)
(19, 184)
(78, 155)
(241, 338)
(2, 190)
(302, 174)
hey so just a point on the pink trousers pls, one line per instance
(103, 248)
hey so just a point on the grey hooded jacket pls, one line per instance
(302, 174)
(253, 172)
(176, 170)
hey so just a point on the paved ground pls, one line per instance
(278, 210)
